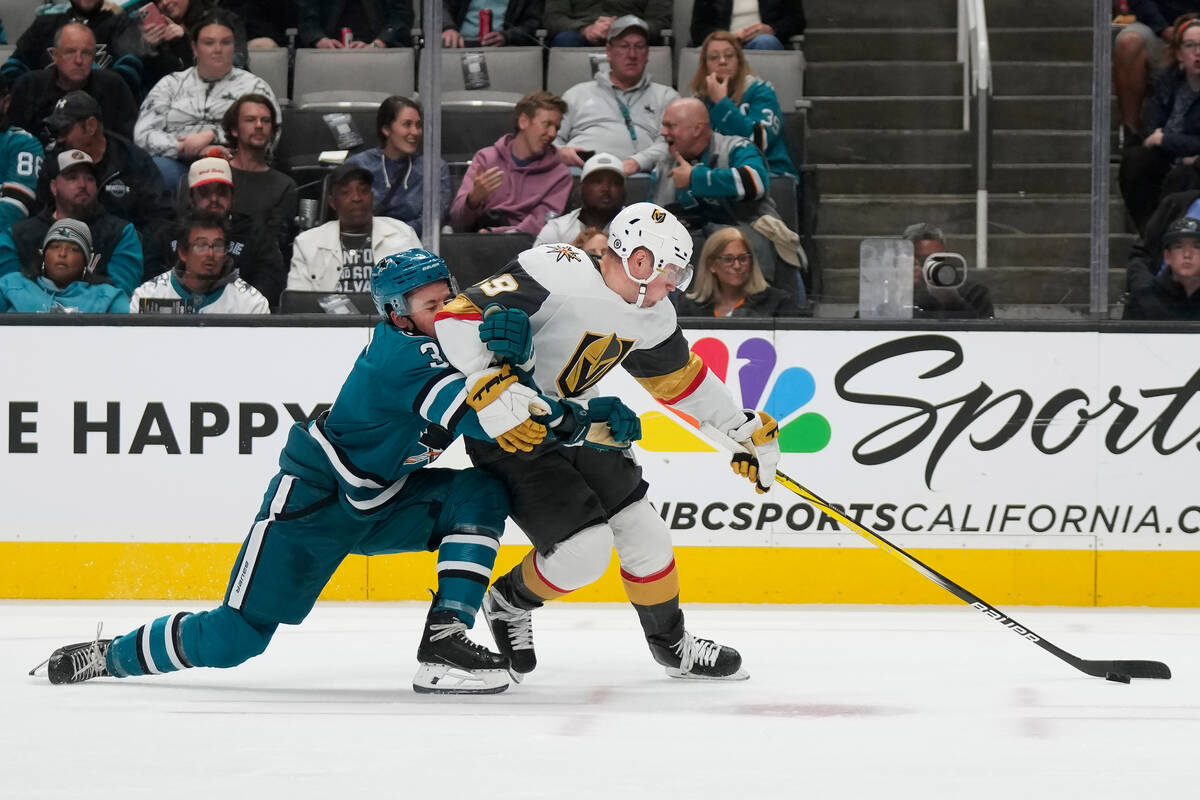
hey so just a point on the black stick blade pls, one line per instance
(1134, 669)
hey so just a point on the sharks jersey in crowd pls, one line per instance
(401, 405)
(582, 329)
(20, 162)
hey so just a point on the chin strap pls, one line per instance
(641, 294)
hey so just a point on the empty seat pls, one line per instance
(294, 301)
(272, 67)
(473, 257)
(783, 68)
(508, 69)
(783, 191)
(351, 73)
(306, 133)
(571, 65)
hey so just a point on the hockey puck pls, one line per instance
(1116, 677)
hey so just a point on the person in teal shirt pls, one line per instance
(62, 280)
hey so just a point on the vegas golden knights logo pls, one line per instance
(658, 216)
(594, 356)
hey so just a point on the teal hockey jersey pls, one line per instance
(401, 405)
(20, 162)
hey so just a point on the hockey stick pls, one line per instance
(1099, 669)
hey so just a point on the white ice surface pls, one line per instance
(843, 702)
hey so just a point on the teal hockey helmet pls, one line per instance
(395, 276)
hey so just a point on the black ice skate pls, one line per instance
(75, 663)
(699, 659)
(453, 664)
(512, 629)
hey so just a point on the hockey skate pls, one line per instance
(450, 663)
(75, 663)
(699, 659)
(512, 629)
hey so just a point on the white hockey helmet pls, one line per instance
(656, 229)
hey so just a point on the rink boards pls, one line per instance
(1033, 467)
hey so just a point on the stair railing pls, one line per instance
(974, 53)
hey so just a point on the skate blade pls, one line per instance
(673, 672)
(444, 679)
(517, 677)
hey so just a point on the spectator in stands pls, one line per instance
(59, 279)
(969, 301)
(739, 103)
(513, 184)
(397, 166)
(584, 23)
(1139, 52)
(130, 186)
(373, 23)
(1174, 294)
(711, 180)
(181, 117)
(111, 28)
(1145, 257)
(602, 194)
(20, 161)
(1171, 131)
(729, 283)
(72, 180)
(514, 23)
(620, 110)
(253, 251)
(35, 94)
(338, 256)
(204, 280)
(266, 21)
(592, 240)
(166, 45)
(259, 191)
(755, 24)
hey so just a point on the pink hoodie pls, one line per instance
(524, 196)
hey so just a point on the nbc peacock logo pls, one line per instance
(785, 397)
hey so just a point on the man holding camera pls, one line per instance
(940, 288)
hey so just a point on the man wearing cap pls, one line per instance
(20, 162)
(1174, 293)
(253, 251)
(601, 194)
(61, 280)
(203, 280)
(581, 23)
(620, 110)
(130, 186)
(36, 94)
(181, 116)
(72, 181)
(338, 256)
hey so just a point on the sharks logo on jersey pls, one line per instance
(594, 356)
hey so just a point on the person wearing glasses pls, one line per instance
(1170, 137)
(730, 284)
(204, 280)
(739, 102)
(620, 110)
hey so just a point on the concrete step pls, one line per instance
(872, 179)
(941, 44)
(1004, 250)
(1068, 112)
(1054, 286)
(943, 146)
(943, 78)
(889, 215)
(1037, 14)
(883, 14)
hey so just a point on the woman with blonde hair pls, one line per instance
(739, 102)
(729, 283)
(592, 240)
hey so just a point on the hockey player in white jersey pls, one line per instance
(576, 503)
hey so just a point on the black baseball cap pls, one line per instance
(1184, 227)
(346, 171)
(71, 108)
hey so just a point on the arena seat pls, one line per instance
(353, 74)
(272, 67)
(473, 257)
(509, 69)
(474, 120)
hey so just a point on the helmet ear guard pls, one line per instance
(395, 276)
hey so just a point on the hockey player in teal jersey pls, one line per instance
(356, 480)
(20, 161)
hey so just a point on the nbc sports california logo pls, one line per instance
(759, 384)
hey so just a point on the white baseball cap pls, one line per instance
(209, 170)
(602, 161)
